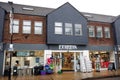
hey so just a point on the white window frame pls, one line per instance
(78, 29)
(99, 31)
(58, 28)
(68, 29)
(15, 26)
(26, 26)
(91, 31)
(107, 32)
(38, 27)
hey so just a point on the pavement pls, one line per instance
(102, 75)
(114, 77)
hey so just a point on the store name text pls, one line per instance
(68, 47)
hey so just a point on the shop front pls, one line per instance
(25, 61)
(25, 57)
(103, 57)
(69, 58)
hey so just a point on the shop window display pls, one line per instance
(103, 57)
(27, 60)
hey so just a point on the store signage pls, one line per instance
(68, 47)
(24, 53)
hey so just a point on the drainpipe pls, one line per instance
(11, 36)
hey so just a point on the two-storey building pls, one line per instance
(70, 37)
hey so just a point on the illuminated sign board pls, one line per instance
(68, 47)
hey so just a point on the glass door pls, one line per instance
(67, 61)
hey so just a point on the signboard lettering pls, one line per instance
(68, 47)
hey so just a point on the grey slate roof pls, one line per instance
(42, 11)
(99, 17)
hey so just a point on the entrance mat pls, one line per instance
(102, 77)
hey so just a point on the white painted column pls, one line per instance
(114, 54)
(47, 54)
(75, 62)
(60, 61)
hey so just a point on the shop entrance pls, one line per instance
(72, 61)
(65, 60)
(68, 61)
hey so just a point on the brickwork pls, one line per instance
(25, 38)
(101, 41)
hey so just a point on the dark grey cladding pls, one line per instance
(116, 26)
(2, 18)
(66, 14)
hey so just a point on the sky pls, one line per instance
(106, 7)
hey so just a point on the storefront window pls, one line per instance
(103, 57)
(25, 59)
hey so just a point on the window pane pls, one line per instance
(26, 26)
(15, 22)
(91, 31)
(38, 27)
(107, 32)
(58, 24)
(15, 26)
(78, 29)
(68, 29)
(38, 30)
(26, 22)
(99, 32)
(15, 29)
(58, 28)
(26, 29)
(38, 23)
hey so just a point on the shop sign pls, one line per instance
(24, 53)
(68, 47)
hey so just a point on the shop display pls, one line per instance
(111, 66)
(104, 59)
(82, 64)
(88, 65)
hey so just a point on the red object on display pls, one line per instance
(48, 61)
(104, 64)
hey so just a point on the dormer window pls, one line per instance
(87, 15)
(28, 8)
